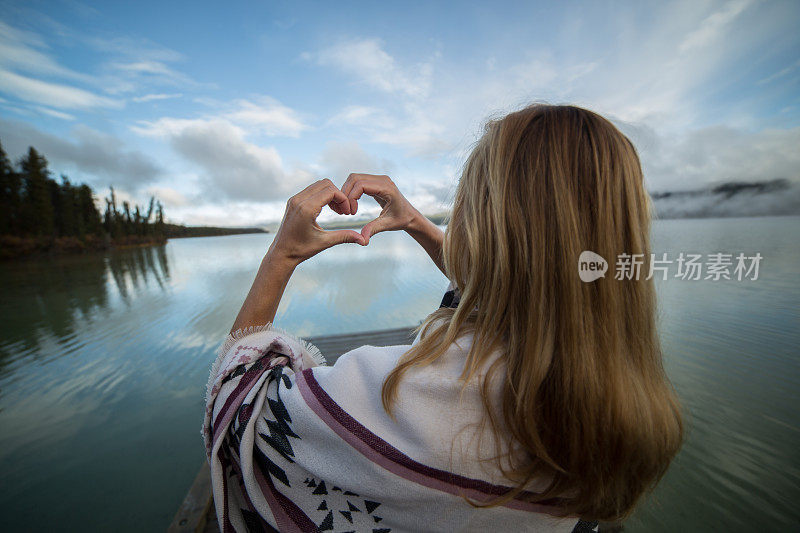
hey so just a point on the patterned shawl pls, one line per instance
(295, 445)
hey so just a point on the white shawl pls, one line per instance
(298, 446)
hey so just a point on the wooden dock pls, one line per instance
(197, 514)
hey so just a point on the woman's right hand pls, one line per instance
(397, 213)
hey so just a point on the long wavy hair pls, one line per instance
(586, 404)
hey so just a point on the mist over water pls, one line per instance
(104, 358)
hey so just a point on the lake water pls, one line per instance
(104, 358)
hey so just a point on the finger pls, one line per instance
(374, 226)
(344, 236)
(328, 195)
(341, 207)
(352, 181)
(347, 187)
(378, 190)
(353, 178)
(338, 205)
(303, 196)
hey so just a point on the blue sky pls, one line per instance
(223, 110)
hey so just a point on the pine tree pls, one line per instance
(150, 208)
(33, 204)
(10, 195)
(159, 225)
(89, 215)
(127, 222)
(37, 209)
(67, 210)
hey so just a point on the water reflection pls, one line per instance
(47, 298)
(138, 266)
(103, 362)
(104, 358)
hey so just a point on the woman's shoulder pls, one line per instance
(431, 409)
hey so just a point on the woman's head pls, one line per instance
(585, 397)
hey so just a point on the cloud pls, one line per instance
(359, 115)
(713, 26)
(339, 159)
(432, 197)
(129, 74)
(234, 213)
(22, 50)
(51, 94)
(732, 199)
(780, 74)
(157, 96)
(268, 116)
(231, 165)
(168, 196)
(22, 54)
(666, 76)
(720, 154)
(30, 73)
(370, 64)
(412, 127)
(100, 155)
(54, 113)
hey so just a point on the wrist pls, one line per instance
(280, 259)
(417, 224)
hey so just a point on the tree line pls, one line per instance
(34, 205)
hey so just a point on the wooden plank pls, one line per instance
(332, 346)
(197, 513)
(193, 512)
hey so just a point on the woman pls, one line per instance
(532, 400)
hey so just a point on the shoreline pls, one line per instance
(14, 248)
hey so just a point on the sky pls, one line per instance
(223, 110)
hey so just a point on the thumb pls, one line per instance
(345, 236)
(374, 226)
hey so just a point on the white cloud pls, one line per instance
(359, 115)
(372, 65)
(145, 67)
(127, 75)
(411, 126)
(232, 213)
(29, 72)
(268, 116)
(156, 96)
(261, 115)
(713, 26)
(780, 74)
(655, 75)
(339, 159)
(54, 113)
(86, 151)
(51, 94)
(168, 196)
(22, 50)
(720, 154)
(231, 165)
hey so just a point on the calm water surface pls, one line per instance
(104, 358)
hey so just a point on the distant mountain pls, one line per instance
(730, 199)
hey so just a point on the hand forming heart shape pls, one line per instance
(300, 236)
(396, 212)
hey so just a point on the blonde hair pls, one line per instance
(586, 404)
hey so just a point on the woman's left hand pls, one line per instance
(299, 236)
